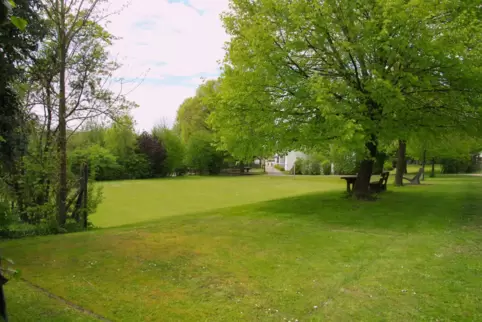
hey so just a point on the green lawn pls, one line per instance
(261, 248)
(128, 202)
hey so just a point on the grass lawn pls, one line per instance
(262, 248)
(128, 202)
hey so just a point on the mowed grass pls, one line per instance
(413, 255)
(127, 202)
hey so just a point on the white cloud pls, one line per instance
(167, 39)
(158, 103)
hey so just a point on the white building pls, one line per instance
(288, 161)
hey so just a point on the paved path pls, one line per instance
(271, 171)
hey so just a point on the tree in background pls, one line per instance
(175, 150)
(301, 73)
(455, 153)
(81, 70)
(17, 45)
(154, 151)
(203, 153)
(202, 156)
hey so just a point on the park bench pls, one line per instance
(377, 186)
(416, 179)
(380, 185)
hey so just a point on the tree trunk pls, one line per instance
(378, 167)
(241, 167)
(432, 175)
(401, 163)
(62, 194)
(424, 162)
(361, 189)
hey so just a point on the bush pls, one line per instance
(279, 167)
(102, 164)
(298, 166)
(345, 164)
(315, 167)
(453, 166)
(6, 217)
(136, 166)
(326, 167)
(201, 156)
(388, 165)
(306, 167)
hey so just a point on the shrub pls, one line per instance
(326, 167)
(6, 217)
(388, 165)
(102, 164)
(298, 166)
(279, 167)
(315, 167)
(306, 167)
(136, 166)
(452, 166)
(346, 164)
(201, 155)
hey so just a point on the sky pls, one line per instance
(166, 48)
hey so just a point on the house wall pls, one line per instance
(290, 158)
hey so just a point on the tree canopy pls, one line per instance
(298, 74)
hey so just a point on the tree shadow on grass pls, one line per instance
(408, 209)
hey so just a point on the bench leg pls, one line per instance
(348, 188)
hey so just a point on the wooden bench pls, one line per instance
(350, 182)
(380, 185)
(416, 179)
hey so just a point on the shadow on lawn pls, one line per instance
(407, 209)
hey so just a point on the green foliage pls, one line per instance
(201, 156)
(326, 167)
(460, 165)
(301, 74)
(136, 166)
(174, 163)
(155, 152)
(102, 163)
(193, 113)
(388, 165)
(6, 216)
(345, 161)
(18, 22)
(298, 166)
(120, 138)
(279, 167)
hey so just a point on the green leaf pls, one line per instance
(12, 3)
(19, 22)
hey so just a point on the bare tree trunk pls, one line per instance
(62, 197)
(401, 163)
(432, 175)
(362, 184)
(424, 162)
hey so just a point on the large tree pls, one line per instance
(300, 73)
(72, 78)
(17, 46)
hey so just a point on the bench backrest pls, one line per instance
(384, 178)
